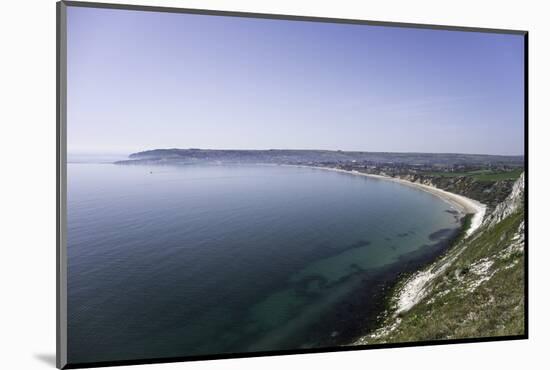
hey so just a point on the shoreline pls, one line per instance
(461, 203)
(414, 287)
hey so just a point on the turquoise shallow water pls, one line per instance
(192, 260)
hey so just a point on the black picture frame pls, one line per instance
(61, 185)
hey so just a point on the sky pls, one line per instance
(145, 80)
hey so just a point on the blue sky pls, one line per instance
(144, 80)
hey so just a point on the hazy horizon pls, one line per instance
(124, 153)
(143, 80)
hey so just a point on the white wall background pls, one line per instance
(27, 193)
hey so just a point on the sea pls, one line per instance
(193, 260)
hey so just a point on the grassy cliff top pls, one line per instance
(476, 290)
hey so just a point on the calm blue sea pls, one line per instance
(179, 261)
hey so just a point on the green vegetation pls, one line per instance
(497, 176)
(458, 174)
(481, 175)
(479, 294)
